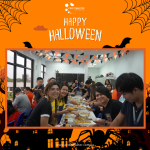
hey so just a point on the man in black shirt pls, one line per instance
(131, 86)
(38, 90)
(111, 107)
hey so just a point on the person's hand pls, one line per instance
(32, 101)
(77, 114)
(91, 104)
(100, 122)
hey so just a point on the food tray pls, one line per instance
(84, 123)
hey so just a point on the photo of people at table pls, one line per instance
(110, 94)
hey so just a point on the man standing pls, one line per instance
(131, 86)
(38, 90)
(52, 79)
(21, 102)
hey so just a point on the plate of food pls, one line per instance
(89, 109)
(84, 114)
(78, 118)
(72, 109)
(82, 121)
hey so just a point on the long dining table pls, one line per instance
(86, 114)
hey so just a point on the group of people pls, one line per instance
(48, 103)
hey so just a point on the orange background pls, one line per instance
(103, 15)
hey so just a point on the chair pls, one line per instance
(20, 119)
(99, 115)
(11, 123)
(28, 114)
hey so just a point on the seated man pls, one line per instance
(21, 101)
(87, 94)
(30, 95)
(111, 107)
(131, 86)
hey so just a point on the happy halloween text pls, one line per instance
(72, 33)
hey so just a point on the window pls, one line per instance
(66, 142)
(128, 143)
(62, 143)
(17, 131)
(19, 72)
(50, 143)
(129, 131)
(50, 131)
(147, 113)
(57, 143)
(43, 70)
(16, 143)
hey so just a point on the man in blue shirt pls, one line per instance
(131, 86)
(87, 94)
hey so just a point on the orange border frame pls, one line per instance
(144, 127)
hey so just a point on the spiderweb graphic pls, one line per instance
(140, 12)
(10, 12)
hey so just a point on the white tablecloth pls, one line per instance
(92, 115)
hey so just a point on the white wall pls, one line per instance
(132, 62)
(37, 64)
(62, 68)
(93, 72)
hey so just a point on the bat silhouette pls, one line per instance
(123, 44)
(27, 44)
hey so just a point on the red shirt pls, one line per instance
(30, 96)
(13, 116)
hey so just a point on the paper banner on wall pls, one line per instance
(99, 56)
(68, 50)
(114, 53)
(82, 54)
(49, 57)
(94, 56)
(86, 56)
(56, 54)
(76, 56)
(58, 60)
(41, 54)
(125, 51)
(67, 55)
(86, 63)
(72, 56)
(105, 59)
(104, 56)
(129, 51)
(115, 56)
(81, 50)
(91, 56)
(119, 55)
(75, 62)
(82, 61)
(46, 51)
(66, 61)
(122, 53)
(97, 60)
(107, 55)
(70, 61)
(79, 63)
(53, 52)
(62, 60)
(89, 60)
(62, 54)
